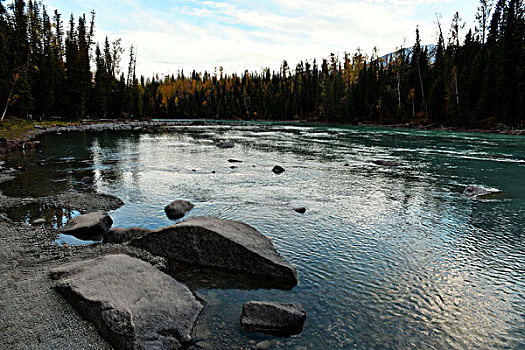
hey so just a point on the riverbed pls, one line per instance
(387, 256)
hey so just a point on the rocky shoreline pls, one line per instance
(33, 314)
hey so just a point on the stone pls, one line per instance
(223, 244)
(177, 209)
(225, 144)
(383, 162)
(300, 210)
(273, 318)
(263, 345)
(234, 161)
(124, 235)
(132, 304)
(38, 222)
(476, 191)
(278, 169)
(88, 225)
(233, 167)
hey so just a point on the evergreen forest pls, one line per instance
(52, 69)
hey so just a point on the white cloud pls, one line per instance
(241, 34)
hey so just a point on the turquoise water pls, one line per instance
(387, 257)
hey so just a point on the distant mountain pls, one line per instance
(431, 49)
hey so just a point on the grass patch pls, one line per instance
(13, 127)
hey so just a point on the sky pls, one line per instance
(174, 35)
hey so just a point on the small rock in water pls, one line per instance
(234, 161)
(386, 162)
(346, 164)
(278, 169)
(476, 191)
(225, 144)
(38, 222)
(300, 210)
(177, 209)
(273, 318)
(233, 167)
(89, 225)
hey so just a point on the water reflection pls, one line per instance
(53, 216)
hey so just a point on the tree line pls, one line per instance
(478, 81)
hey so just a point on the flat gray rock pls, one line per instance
(177, 209)
(124, 235)
(132, 304)
(273, 318)
(92, 225)
(229, 245)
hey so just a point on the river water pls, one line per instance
(387, 257)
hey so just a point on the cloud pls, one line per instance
(239, 34)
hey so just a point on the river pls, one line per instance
(387, 257)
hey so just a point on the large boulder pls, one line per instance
(216, 243)
(273, 318)
(88, 226)
(177, 209)
(124, 235)
(132, 304)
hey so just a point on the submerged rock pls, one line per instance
(124, 235)
(177, 209)
(278, 169)
(217, 243)
(383, 162)
(88, 225)
(132, 304)
(225, 144)
(273, 318)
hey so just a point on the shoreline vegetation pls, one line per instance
(469, 80)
